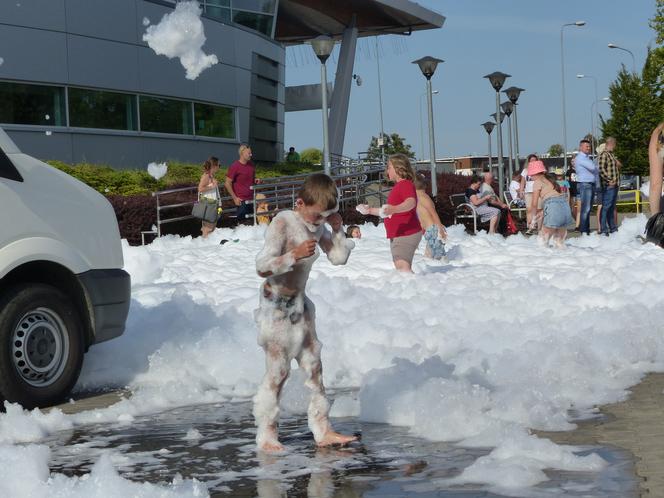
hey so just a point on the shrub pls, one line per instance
(312, 155)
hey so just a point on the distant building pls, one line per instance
(77, 83)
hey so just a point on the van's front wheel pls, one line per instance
(41, 345)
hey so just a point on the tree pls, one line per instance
(657, 22)
(556, 150)
(312, 155)
(637, 105)
(393, 144)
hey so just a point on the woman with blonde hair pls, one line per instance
(208, 191)
(400, 213)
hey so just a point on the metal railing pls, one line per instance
(356, 181)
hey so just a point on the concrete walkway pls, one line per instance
(636, 425)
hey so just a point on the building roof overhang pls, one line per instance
(301, 20)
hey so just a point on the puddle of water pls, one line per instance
(215, 444)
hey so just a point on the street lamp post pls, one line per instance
(592, 118)
(593, 111)
(323, 46)
(507, 108)
(488, 127)
(428, 67)
(499, 143)
(513, 93)
(612, 45)
(497, 79)
(434, 92)
(562, 74)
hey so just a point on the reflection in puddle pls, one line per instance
(215, 444)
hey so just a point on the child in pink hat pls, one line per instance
(556, 212)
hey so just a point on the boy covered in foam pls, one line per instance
(286, 316)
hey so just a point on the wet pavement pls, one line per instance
(215, 444)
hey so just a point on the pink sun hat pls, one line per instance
(536, 167)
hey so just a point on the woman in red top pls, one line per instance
(400, 213)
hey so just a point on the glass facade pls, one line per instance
(32, 104)
(100, 109)
(214, 121)
(165, 115)
(258, 15)
(27, 104)
(251, 20)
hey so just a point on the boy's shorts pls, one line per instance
(434, 243)
(404, 247)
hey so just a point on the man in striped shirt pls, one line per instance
(609, 172)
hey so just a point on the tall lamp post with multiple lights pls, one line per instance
(497, 80)
(428, 67)
(613, 45)
(562, 74)
(513, 93)
(488, 127)
(323, 46)
(507, 108)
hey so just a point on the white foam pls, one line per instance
(505, 337)
(181, 34)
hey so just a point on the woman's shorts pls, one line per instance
(557, 213)
(404, 247)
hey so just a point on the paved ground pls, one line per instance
(635, 425)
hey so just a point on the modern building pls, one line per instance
(77, 82)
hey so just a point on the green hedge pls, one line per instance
(111, 181)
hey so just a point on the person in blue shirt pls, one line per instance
(586, 176)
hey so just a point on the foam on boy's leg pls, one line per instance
(319, 407)
(266, 400)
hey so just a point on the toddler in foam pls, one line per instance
(286, 316)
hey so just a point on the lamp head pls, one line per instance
(497, 79)
(513, 93)
(507, 108)
(502, 116)
(428, 65)
(611, 45)
(488, 126)
(322, 46)
(358, 79)
(580, 23)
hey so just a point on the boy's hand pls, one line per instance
(335, 221)
(305, 249)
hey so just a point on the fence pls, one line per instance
(355, 181)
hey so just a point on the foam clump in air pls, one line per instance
(157, 170)
(181, 34)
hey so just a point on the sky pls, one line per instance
(518, 37)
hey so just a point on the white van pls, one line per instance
(62, 286)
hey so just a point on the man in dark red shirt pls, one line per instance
(240, 177)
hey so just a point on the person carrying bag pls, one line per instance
(208, 207)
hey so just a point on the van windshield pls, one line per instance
(7, 168)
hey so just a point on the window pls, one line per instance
(32, 104)
(265, 6)
(214, 121)
(257, 22)
(99, 109)
(165, 115)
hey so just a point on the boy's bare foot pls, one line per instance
(336, 439)
(272, 447)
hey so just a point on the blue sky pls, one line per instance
(518, 37)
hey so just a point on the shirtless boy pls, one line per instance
(432, 227)
(286, 316)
